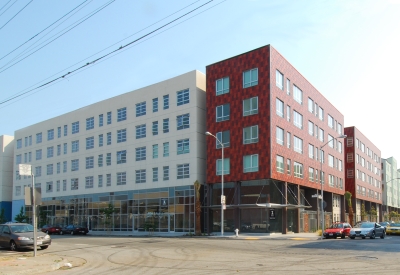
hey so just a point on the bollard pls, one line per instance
(237, 232)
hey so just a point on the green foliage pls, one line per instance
(43, 217)
(2, 216)
(348, 195)
(108, 212)
(393, 214)
(21, 217)
(363, 212)
(373, 212)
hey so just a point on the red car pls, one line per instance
(339, 229)
(51, 229)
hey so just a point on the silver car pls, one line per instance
(367, 229)
(20, 235)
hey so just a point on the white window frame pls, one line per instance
(253, 163)
(222, 86)
(250, 134)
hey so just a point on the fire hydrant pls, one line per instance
(237, 232)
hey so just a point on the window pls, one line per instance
(154, 128)
(141, 131)
(340, 167)
(100, 180)
(109, 118)
(331, 161)
(121, 157)
(250, 78)
(49, 187)
(64, 185)
(64, 166)
(331, 180)
(121, 135)
(288, 139)
(321, 113)
(279, 164)
(310, 174)
(75, 165)
(165, 102)
(50, 134)
(222, 86)
(140, 176)
(322, 156)
(339, 128)
(155, 151)
(165, 125)
(26, 141)
(288, 112)
(339, 145)
(140, 153)
(227, 166)
(250, 163)
(310, 105)
(38, 139)
(182, 97)
(182, 146)
(165, 172)
(350, 157)
(288, 86)
(108, 159)
(297, 94)
(330, 140)
(279, 136)
(89, 143)
(141, 109)
(311, 128)
(331, 122)
(100, 160)
(155, 174)
(108, 179)
(121, 178)
(18, 159)
(298, 145)
(297, 120)
(165, 149)
(75, 146)
(279, 79)
(310, 151)
(50, 151)
(58, 150)
(288, 166)
(89, 182)
(39, 154)
(223, 112)
(58, 167)
(74, 184)
(279, 107)
(19, 143)
(49, 169)
(183, 171)
(350, 142)
(109, 138)
(101, 140)
(38, 171)
(58, 186)
(250, 106)
(58, 132)
(101, 120)
(75, 127)
(89, 162)
(90, 123)
(250, 134)
(224, 138)
(155, 104)
(298, 170)
(121, 113)
(182, 122)
(17, 191)
(30, 140)
(321, 134)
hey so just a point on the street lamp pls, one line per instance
(322, 186)
(222, 183)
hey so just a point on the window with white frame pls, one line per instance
(288, 139)
(311, 128)
(121, 135)
(108, 179)
(75, 146)
(279, 79)
(58, 150)
(50, 134)
(339, 145)
(182, 122)
(64, 185)
(279, 136)
(140, 176)
(298, 170)
(222, 86)
(250, 106)
(141, 131)
(165, 102)
(100, 160)
(165, 149)
(141, 153)
(89, 143)
(109, 118)
(58, 167)
(49, 169)
(155, 174)
(50, 152)
(75, 165)
(331, 179)
(89, 162)
(154, 128)
(165, 172)
(288, 112)
(288, 166)
(339, 128)
(250, 78)
(165, 125)
(310, 105)
(38, 140)
(75, 127)
(64, 166)
(223, 112)
(297, 94)
(331, 141)
(250, 134)
(224, 138)
(250, 163)
(321, 134)
(279, 164)
(90, 123)
(279, 107)
(288, 86)
(183, 171)
(74, 184)
(58, 132)
(311, 151)
(101, 140)
(58, 186)
(320, 113)
(297, 120)
(101, 121)
(331, 122)
(19, 143)
(121, 113)
(108, 159)
(310, 174)
(182, 146)
(39, 154)
(155, 151)
(121, 157)
(298, 144)
(121, 178)
(141, 109)
(155, 104)
(331, 160)
(182, 97)
(89, 182)
(227, 166)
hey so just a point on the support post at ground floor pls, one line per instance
(297, 230)
(284, 210)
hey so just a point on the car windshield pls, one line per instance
(367, 225)
(336, 225)
(395, 224)
(23, 228)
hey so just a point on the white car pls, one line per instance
(367, 229)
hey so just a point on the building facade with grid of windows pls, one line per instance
(6, 173)
(141, 151)
(274, 126)
(363, 175)
(390, 188)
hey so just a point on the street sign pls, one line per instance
(272, 214)
(28, 196)
(25, 169)
(316, 196)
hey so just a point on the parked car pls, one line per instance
(384, 224)
(74, 229)
(393, 229)
(339, 229)
(246, 226)
(51, 229)
(20, 235)
(367, 229)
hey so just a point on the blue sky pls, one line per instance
(349, 50)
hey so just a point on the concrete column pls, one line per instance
(298, 210)
(284, 210)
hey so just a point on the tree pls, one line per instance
(373, 213)
(348, 195)
(21, 217)
(2, 216)
(197, 186)
(43, 220)
(363, 212)
(108, 212)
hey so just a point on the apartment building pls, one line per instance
(363, 175)
(6, 174)
(390, 185)
(141, 151)
(274, 126)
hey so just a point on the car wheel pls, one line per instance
(61, 233)
(13, 246)
(383, 235)
(44, 247)
(72, 232)
(343, 236)
(372, 235)
(352, 238)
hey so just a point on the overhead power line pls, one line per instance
(15, 15)
(8, 7)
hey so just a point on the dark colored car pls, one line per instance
(20, 235)
(74, 229)
(367, 229)
(339, 229)
(51, 229)
(246, 227)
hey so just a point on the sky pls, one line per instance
(348, 50)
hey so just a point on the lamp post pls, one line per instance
(222, 183)
(322, 186)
